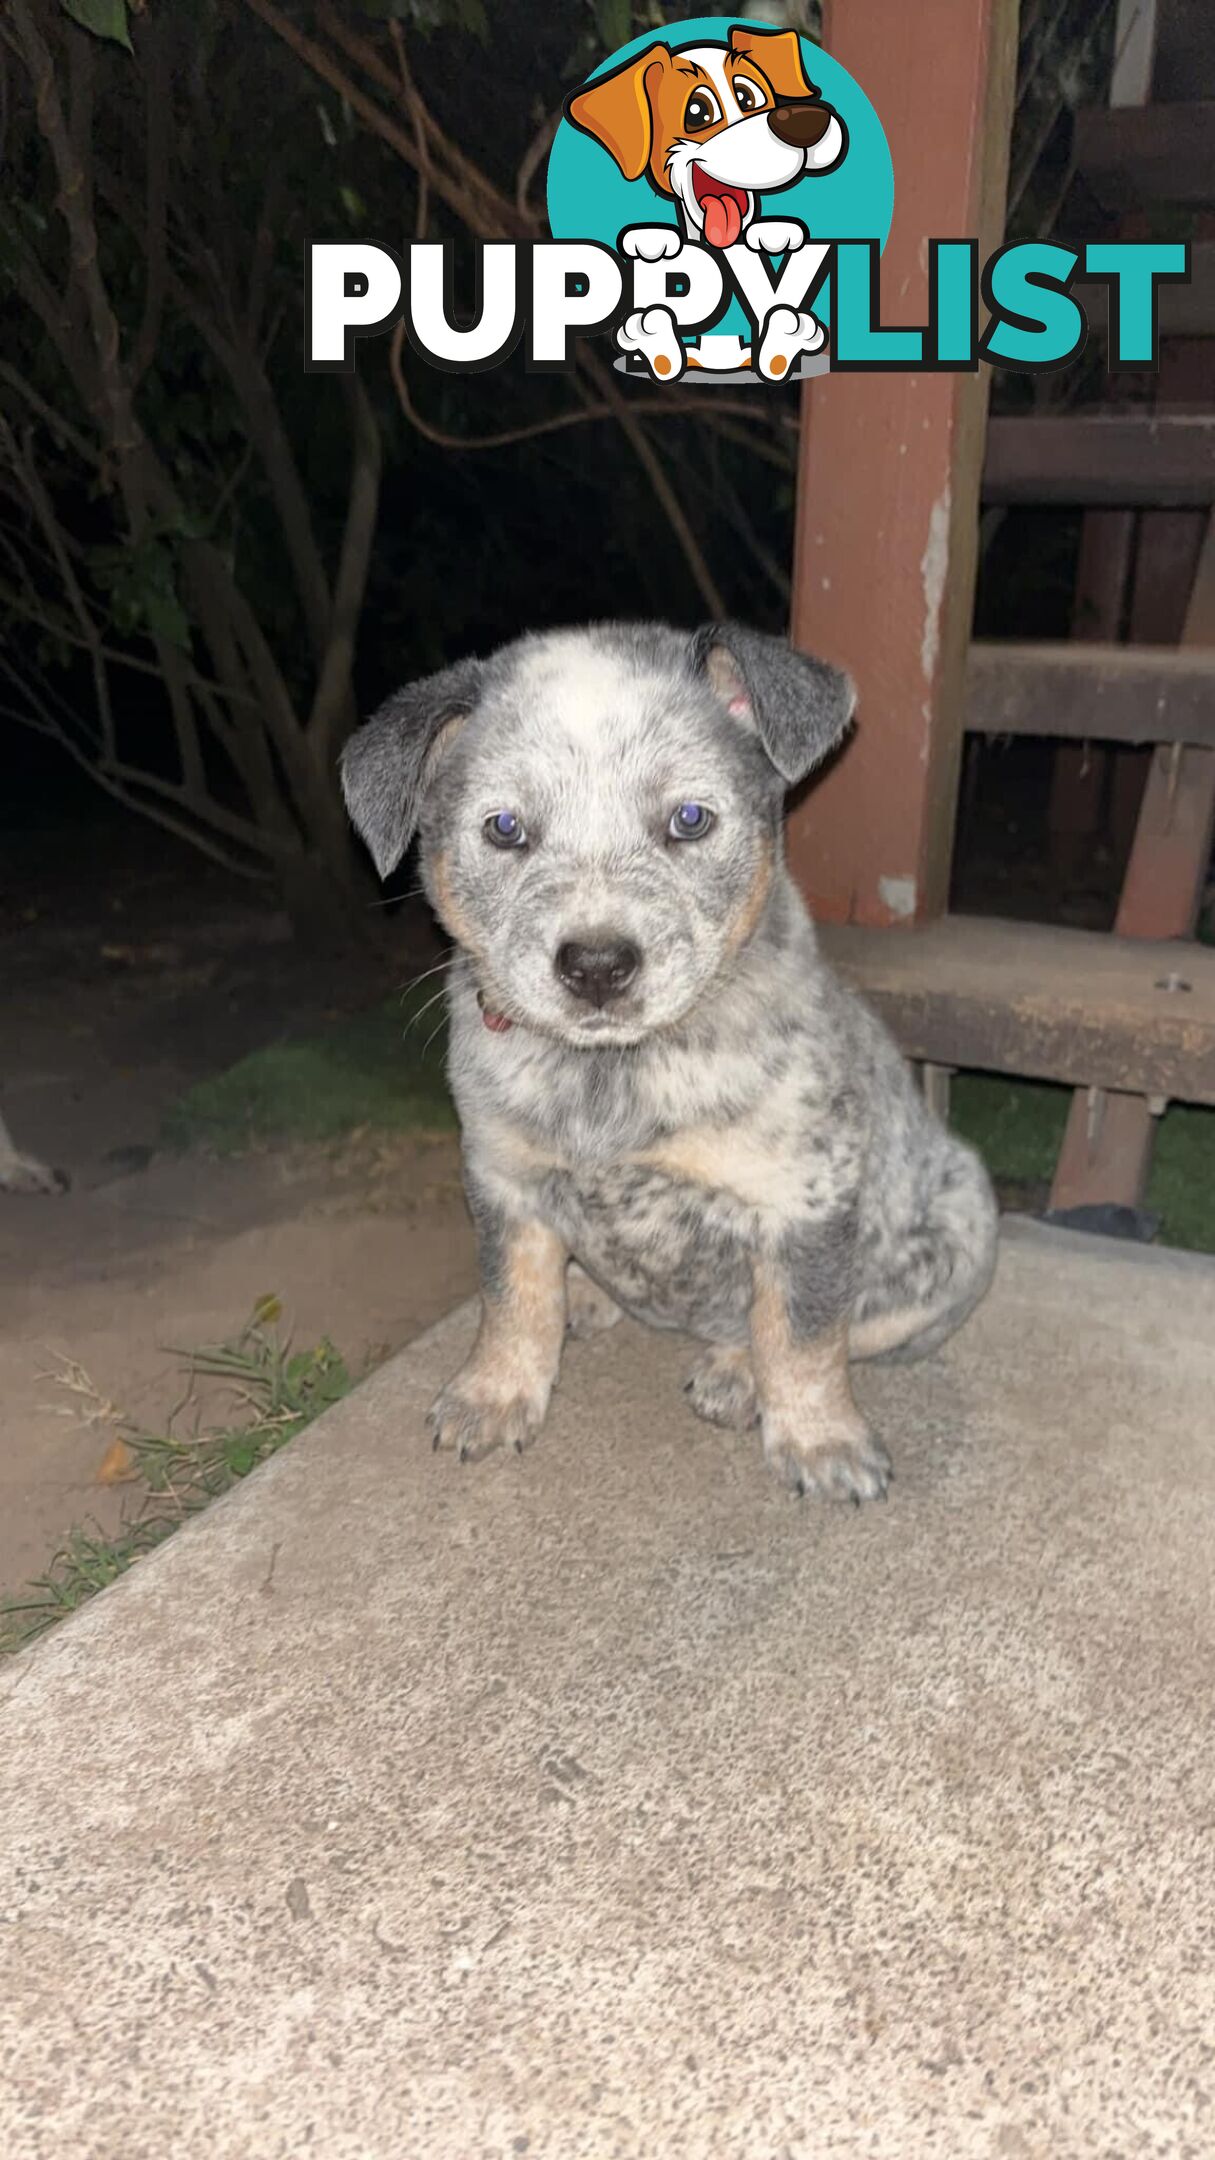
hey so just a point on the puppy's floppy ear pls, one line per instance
(617, 109)
(384, 764)
(778, 53)
(798, 707)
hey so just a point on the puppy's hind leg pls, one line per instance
(588, 1309)
(721, 1388)
(918, 1288)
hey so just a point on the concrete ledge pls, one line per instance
(612, 1803)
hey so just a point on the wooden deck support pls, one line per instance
(886, 527)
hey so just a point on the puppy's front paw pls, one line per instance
(721, 1389)
(844, 1463)
(472, 1417)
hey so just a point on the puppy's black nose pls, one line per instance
(599, 972)
(801, 125)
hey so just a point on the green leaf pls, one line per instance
(105, 18)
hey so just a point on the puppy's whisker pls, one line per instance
(411, 892)
(426, 976)
(416, 1019)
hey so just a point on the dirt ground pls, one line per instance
(119, 986)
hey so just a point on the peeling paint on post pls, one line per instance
(888, 486)
(933, 566)
(898, 895)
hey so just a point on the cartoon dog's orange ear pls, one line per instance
(779, 54)
(617, 109)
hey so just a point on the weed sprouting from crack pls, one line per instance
(274, 1391)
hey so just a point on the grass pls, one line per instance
(275, 1391)
(383, 1070)
(1017, 1126)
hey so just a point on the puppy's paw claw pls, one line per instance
(853, 1467)
(472, 1426)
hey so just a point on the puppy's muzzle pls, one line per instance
(597, 973)
(801, 124)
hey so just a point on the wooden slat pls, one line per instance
(1157, 459)
(1091, 692)
(1136, 158)
(1046, 1003)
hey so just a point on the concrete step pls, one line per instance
(611, 1802)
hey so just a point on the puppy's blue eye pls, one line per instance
(503, 829)
(690, 822)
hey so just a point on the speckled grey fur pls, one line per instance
(738, 1107)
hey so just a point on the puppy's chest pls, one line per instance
(675, 1253)
(669, 1223)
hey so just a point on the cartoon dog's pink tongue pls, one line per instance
(723, 208)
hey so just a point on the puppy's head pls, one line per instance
(714, 125)
(599, 811)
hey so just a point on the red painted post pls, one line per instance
(887, 515)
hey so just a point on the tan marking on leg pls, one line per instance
(500, 1396)
(814, 1435)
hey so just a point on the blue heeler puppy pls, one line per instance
(670, 1106)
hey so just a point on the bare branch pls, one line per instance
(531, 161)
(75, 195)
(44, 723)
(157, 116)
(332, 711)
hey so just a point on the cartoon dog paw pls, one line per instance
(651, 243)
(651, 332)
(788, 332)
(776, 236)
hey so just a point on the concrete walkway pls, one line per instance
(612, 1803)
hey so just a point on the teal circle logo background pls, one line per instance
(590, 199)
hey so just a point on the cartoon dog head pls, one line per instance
(599, 811)
(714, 126)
